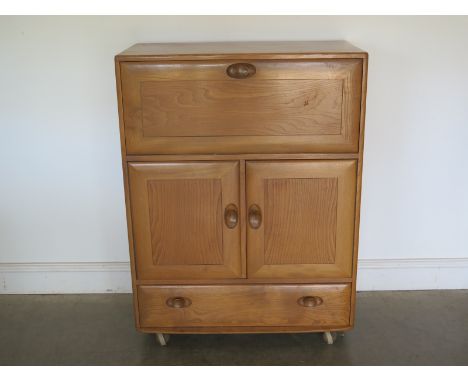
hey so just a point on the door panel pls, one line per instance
(306, 209)
(193, 208)
(178, 213)
(311, 227)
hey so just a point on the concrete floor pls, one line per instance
(392, 328)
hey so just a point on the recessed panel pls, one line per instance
(186, 221)
(244, 108)
(300, 221)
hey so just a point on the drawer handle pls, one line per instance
(241, 70)
(255, 216)
(178, 302)
(231, 216)
(310, 301)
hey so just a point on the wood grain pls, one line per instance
(242, 217)
(230, 157)
(241, 108)
(293, 242)
(287, 106)
(241, 50)
(244, 329)
(300, 220)
(246, 281)
(186, 221)
(244, 305)
(178, 226)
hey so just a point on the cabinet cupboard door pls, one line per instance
(300, 218)
(185, 219)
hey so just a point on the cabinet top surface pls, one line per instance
(260, 49)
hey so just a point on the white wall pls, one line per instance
(62, 219)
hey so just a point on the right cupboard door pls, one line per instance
(300, 222)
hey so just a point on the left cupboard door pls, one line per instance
(186, 220)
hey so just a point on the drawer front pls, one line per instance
(244, 305)
(283, 106)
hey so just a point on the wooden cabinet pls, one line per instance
(242, 167)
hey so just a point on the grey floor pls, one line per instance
(392, 328)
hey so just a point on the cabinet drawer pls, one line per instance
(244, 305)
(282, 106)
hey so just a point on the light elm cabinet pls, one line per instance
(242, 167)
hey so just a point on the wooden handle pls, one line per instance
(310, 301)
(178, 302)
(241, 70)
(231, 216)
(255, 216)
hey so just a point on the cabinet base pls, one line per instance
(328, 337)
(243, 330)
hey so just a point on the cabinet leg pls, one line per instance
(162, 338)
(329, 337)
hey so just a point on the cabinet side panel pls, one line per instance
(359, 188)
(127, 192)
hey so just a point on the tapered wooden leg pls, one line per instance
(329, 337)
(162, 338)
